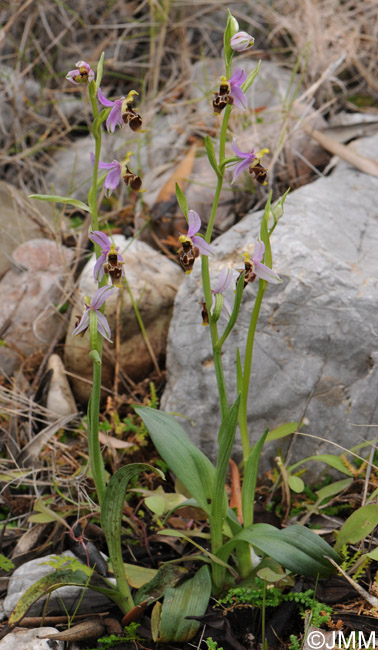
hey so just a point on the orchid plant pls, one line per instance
(297, 548)
(231, 537)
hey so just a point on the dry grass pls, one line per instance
(151, 45)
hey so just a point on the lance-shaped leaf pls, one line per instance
(358, 526)
(111, 516)
(211, 155)
(188, 463)
(53, 198)
(250, 479)
(61, 578)
(181, 200)
(296, 548)
(225, 442)
(169, 621)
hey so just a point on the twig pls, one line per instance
(372, 600)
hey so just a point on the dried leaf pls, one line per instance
(115, 443)
(235, 499)
(181, 173)
(366, 165)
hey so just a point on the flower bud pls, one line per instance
(241, 41)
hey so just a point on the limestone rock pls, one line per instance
(29, 639)
(316, 342)
(27, 574)
(29, 295)
(153, 280)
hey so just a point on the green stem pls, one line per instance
(92, 195)
(206, 274)
(247, 370)
(95, 455)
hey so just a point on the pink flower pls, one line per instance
(191, 244)
(97, 301)
(109, 259)
(222, 285)
(121, 112)
(246, 160)
(118, 170)
(249, 161)
(241, 41)
(194, 226)
(83, 75)
(237, 79)
(254, 268)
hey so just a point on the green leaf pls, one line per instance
(373, 554)
(111, 512)
(172, 532)
(226, 439)
(250, 479)
(328, 459)
(233, 317)
(53, 581)
(312, 544)
(211, 155)
(53, 198)
(167, 576)
(5, 563)
(189, 464)
(101, 117)
(99, 71)
(189, 599)
(296, 548)
(333, 489)
(264, 234)
(251, 77)
(137, 575)
(358, 526)
(282, 431)
(160, 502)
(296, 484)
(181, 200)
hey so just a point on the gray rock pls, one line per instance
(29, 296)
(153, 280)
(27, 574)
(316, 342)
(29, 640)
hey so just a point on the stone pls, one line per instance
(60, 400)
(27, 574)
(316, 342)
(153, 280)
(29, 639)
(21, 219)
(30, 294)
